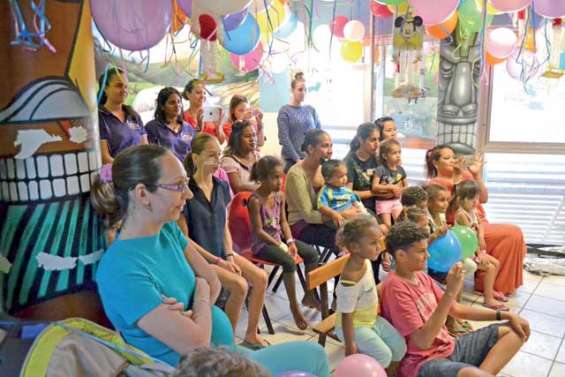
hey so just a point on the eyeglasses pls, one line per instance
(178, 187)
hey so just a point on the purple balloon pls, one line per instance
(186, 6)
(295, 374)
(132, 24)
(232, 21)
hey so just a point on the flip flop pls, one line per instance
(501, 307)
(254, 346)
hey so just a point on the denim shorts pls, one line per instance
(470, 351)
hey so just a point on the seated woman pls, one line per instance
(155, 288)
(241, 110)
(303, 181)
(168, 128)
(240, 156)
(120, 126)
(505, 242)
(205, 220)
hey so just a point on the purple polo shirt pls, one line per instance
(118, 134)
(178, 143)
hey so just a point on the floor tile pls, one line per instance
(283, 334)
(555, 280)
(527, 365)
(556, 292)
(543, 345)
(518, 299)
(561, 354)
(529, 285)
(545, 323)
(546, 305)
(557, 370)
(277, 306)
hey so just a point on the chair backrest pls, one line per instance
(326, 272)
(239, 222)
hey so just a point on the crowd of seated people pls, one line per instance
(166, 188)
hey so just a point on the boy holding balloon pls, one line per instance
(417, 308)
(463, 204)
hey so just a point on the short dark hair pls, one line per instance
(329, 167)
(234, 147)
(403, 234)
(263, 168)
(355, 229)
(380, 123)
(217, 362)
(412, 196)
(433, 189)
(413, 214)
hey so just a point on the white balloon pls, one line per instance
(221, 7)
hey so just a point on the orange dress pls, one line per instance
(505, 242)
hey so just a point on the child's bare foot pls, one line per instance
(495, 305)
(310, 302)
(299, 319)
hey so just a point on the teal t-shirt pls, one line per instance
(132, 277)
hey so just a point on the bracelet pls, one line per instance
(498, 315)
(290, 240)
(229, 255)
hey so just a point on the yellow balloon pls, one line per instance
(400, 9)
(351, 51)
(490, 9)
(272, 18)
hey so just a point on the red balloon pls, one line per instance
(380, 10)
(208, 27)
(238, 221)
(337, 26)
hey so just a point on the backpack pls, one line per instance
(81, 348)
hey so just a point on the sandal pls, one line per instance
(254, 346)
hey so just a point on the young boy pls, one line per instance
(414, 196)
(336, 201)
(417, 308)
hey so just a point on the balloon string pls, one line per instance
(334, 10)
(482, 41)
(26, 38)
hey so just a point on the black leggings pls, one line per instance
(320, 235)
(276, 255)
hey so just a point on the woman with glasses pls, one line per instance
(205, 221)
(156, 288)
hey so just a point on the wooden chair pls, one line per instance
(319, 278)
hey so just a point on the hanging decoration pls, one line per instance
(407, 42)
(26, 37)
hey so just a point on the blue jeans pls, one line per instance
(292, 356)
(381, 341)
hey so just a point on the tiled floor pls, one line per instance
(541, 300)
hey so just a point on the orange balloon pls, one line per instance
(179, 18)
(444, 29)
(494, 61)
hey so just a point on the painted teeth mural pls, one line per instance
(49, 234)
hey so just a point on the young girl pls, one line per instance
(438, 203)
(271, 237)
(358, 323)
(463, 204)
(390, 177)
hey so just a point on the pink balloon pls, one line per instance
(248, 62)
(354, 30)
(359, 365)
(550, 8)
(524, 66)
(337, 26)
(510, 5)
(501, 42)
(132, 24)
(434, 14)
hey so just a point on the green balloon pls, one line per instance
(471, 17)
(391, 2)
(468, 240)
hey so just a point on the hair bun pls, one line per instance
(299, 76)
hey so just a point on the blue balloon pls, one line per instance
(288, 27)
(444, 252)
(243, 39)
(234, 20)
